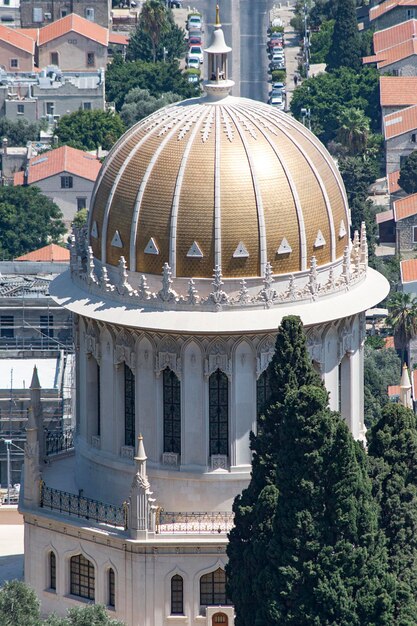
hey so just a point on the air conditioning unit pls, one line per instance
(48, 16)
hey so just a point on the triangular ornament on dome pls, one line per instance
(151, 247)
(117, 240)
(241, 251)
(342, 230)
(94, 230)
(320, 240)
(284, 247)
(195, 251)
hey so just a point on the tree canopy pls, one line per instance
(306, 549)
(158, 78)
(402, 318)
(28, 220)
(139, 103)
(21, 131)
(345, 49)
(382, 368)
(87, 130)
(408, 174)
(321, 42)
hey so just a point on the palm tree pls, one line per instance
(402, 318)
(154, 22)
(354, 130)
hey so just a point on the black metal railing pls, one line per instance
(60, 441)
(193, 522)
(80, 506)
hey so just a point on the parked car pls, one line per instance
(277, 57)
(277, 65)
(277, 92)
(195, 22)
(175, 4)
(194, 41)
(278, 85)
(193, 32)
(277, 101)
(196, 51)
(193, 62)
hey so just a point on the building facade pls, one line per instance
(177, 298)
(37, 13)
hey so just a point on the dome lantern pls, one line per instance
(219, 85)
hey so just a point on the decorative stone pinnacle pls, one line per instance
(166, 293)
(192, 293)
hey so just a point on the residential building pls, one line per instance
(17, 50)
(392, 12)
(73, 43)
(65, 175)
(399, 225)
(397, 92)
(400, 134)
(38, 13)
(10, 13)
(178, 290)
(400, 60)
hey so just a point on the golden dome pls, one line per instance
(232, 183)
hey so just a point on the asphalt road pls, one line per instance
(244, 24)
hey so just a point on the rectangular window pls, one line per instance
(414, 138)
(37, 14)
(7, 326)
(47, 325)
(411, 13)
(14, 63)
(89, 14)
(64, 13)
(414, 234)
(54, 58)
(20, 109)
(6, 3)
(50, 108)
(172, 412)
(87, 106)
(81, 203)
(98, 402)
(395, 72)
(129, 407)
(82, 577)
(66, 182)
(91, 59)
(218, 413)
(52, 571)
(112, 594)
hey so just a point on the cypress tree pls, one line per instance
(311, 554)
(393, 457)
(345, 50)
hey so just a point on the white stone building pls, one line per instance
(174, 350)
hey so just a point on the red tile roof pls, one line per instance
(400, 122)
(393, 185)
(389, 5)
(414, 383)
(17, 39)
(49, 253)
(64, 159)
(408, 270)
(119, 39)
(33, 33)
(385, 216)
(73, 23)
(392, 55)
(394, 35)
(389, 342)
(393, 390)
(405, 207)
(398, 91)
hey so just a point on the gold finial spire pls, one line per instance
(217, 16)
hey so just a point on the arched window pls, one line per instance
(52, 571)
(177, 595)
(219, 413)
(112, 588)
(213, 588)
(98, 402)
(172, 412)
(263, 392)
(129, 406)
(82, 578)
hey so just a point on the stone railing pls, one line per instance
(193, 523)
(86, 508)
(56, 442)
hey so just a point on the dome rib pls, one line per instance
(217, 192)
(177, 192)
(263, 253)
(297, 203)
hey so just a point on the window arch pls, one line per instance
(172, 411)
(213, 588)
(177, 595)
(219, 413)
(263, 392)
(111, 580)
(52, 570)
(129, 406)
(82, 577)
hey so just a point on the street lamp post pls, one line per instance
(8, 443)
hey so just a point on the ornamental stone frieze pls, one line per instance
(265, 354)
(217, 358)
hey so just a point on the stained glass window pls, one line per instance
(172, 412)
(177, 591)
(112, 594)
(213, 588)
(219, 413)
(52, 570)
(263, 392)
(129, 407)
(82, 577)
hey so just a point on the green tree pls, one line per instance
(80, 218)
(139, 104)
(354, 130)
(158, 78)
(382, 368)
(28, 220)
(171, 44)
(345, 50)
(393, 455)
(402, 318)
(323, 559)
(154, 22)
(92, 615)
(19, 605)
(21, 131)
(87, 130)
(408, 174)
(321, 42)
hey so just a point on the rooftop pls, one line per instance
(398, 90)
(51, 253)
(394, 35)
(405, 207)
(400, 122)
(393, 185)
(17, 39)
(389, 342)
(385, 216)
(392, 55)
(389, 5)
(394, 390)
(73, 23)
(408, 271)
(63, 159)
